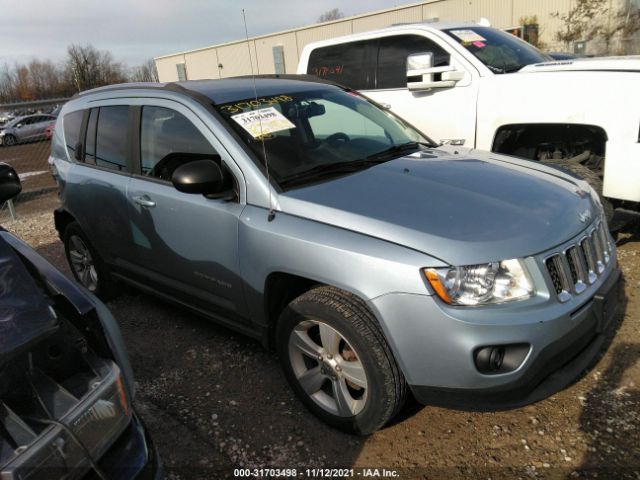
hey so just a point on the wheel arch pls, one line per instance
(62, 218)
(281, 288)
(507, 137)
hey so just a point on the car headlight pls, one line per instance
(495, 282)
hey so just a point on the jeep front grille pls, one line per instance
(579, 265)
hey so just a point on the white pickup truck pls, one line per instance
(476, 86)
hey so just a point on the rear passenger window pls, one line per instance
(349, 64)
(392, 58)
(111, 138)
(72, 123)
(167, 139)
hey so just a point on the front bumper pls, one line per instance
(435, 349)
(132, 456)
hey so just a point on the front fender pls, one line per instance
(365, 266)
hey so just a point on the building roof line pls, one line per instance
(304, 27)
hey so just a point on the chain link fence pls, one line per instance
(29, 157)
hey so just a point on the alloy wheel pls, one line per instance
(82, 263)
(328, 369)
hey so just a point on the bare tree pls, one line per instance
(592, 20)
(85, 67)
(578, 23)
(90, 68)
(146, 72)
(329, 15)
(628, 20)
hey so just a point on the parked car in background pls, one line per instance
(300, 213)
(5, 117)
(477, 86)
(26, 129)
(67, 388)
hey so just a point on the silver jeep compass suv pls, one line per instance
(375, 262)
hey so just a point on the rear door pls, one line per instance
(24, 129)
(39, 124)
(98, 179)
(43, 122)
(186, 244)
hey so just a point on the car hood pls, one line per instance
(462, 209)
(25, 313)
(597, 64)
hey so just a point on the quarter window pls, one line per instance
(392, 58)
(72, 123)
(167, 139)
(111, 138)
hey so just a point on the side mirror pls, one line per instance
(422, 75)
(10, 185)
(20, 125)
(199, 176)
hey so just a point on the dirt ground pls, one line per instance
(215, 400)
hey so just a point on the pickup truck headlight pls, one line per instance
(495, 282)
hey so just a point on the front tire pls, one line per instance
(9, 140)
(87, 266)
(338, 362)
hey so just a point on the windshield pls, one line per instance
(500, 51)
(312, 134)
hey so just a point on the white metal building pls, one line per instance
(279, 52)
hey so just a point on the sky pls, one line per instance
(137, 30)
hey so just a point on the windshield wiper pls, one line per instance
(331, 169)
(394, 150)
(328, 169)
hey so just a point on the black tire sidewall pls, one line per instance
(375, 413)
(13, 141)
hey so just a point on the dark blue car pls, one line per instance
(66, 385)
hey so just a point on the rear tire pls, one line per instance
(591, 178)
(87, 266)
(330, 342)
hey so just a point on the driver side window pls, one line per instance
(165, 133)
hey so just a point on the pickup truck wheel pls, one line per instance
(592, 179)
(87, 266)
(338, 362)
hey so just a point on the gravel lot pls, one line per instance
(215, 400)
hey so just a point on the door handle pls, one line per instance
(144, 200)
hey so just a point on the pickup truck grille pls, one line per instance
(580, 264)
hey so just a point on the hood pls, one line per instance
(25, 314)
(462, 209)
(597, 64)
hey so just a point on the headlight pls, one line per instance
(495, 282)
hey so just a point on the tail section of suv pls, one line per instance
(302, 214)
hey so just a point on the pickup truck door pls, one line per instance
(186, 244)
(445, 114)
